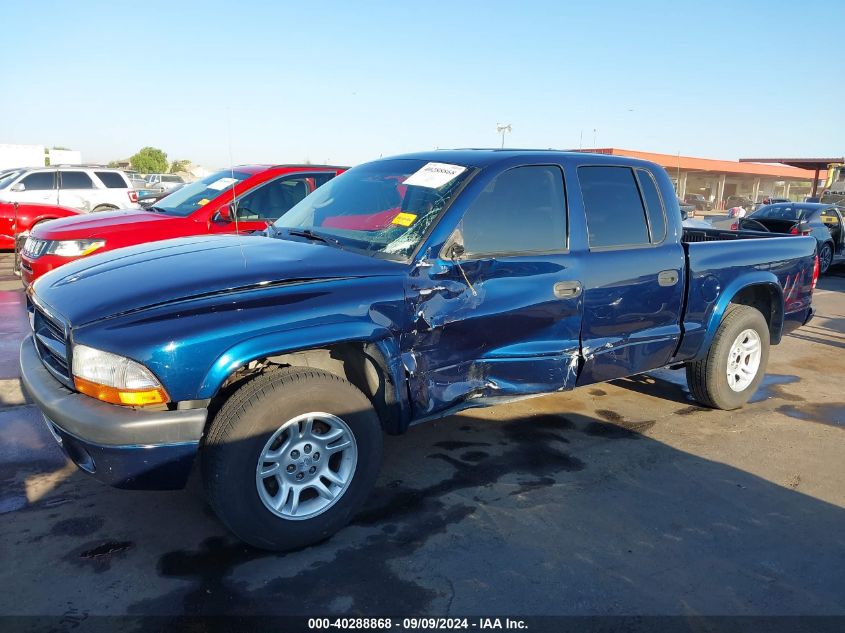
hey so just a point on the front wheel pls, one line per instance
(290, 457)
(735, 363)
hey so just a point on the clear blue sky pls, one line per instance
(349, 81)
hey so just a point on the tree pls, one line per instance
(149, 160)
(179, 165)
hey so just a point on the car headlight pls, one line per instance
(74, 248)
(116, 379)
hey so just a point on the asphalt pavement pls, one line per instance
(621, 498)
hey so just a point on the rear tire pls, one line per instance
(730, 373)
(825, 257)
(104, 207)
(261, 450)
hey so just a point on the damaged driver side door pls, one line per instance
(498, 313)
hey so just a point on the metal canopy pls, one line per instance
(816, 164)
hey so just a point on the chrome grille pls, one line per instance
(52, 344)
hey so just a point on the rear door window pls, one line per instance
(521, 211)
(111, 179)
(40, 181)
(76, 180)
(653, 206)
(616, 216)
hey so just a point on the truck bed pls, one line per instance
(720, 262)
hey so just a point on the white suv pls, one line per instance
(84, 188)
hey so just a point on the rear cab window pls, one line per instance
(623, 207)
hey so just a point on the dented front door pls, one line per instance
(492, 327)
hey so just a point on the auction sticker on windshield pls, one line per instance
(404, 219)
(221, 183)
(434, 175)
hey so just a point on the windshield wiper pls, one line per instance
(316, 237)
(156, 209)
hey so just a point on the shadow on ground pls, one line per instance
(536, 514)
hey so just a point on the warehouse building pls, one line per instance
(717, 180)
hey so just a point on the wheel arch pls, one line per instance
(760, 290)
(366, 357)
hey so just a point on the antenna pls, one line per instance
(233, 206)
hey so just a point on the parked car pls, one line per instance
(768, 200)
(18, 222)
(282, 359)
(149, 198)
(164, 182)
(698, 201)
(262, 194)
(822, 221)
(739, 201)
(84, 188)
(686, 208)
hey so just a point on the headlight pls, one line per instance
(74, 248)
(112, 378)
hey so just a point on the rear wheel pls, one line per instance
(290, 457)
(735, 363)
(825, 257)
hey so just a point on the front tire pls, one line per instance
(291, 457)
(104, 207)
(735, 363)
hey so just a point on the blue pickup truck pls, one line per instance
(404, 290)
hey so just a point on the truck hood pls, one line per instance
(152, 275)
(94, 225)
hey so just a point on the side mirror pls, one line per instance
(456, 251)
(18, 187)
(684, 214)
(225, 213)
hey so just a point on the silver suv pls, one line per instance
(83, 188)
(164, 182)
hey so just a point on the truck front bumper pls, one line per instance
(123, 447)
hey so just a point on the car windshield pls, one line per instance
(780, 212)
(383, 209)
(8, 177)
(185, 200)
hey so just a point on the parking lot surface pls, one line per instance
(621, 498)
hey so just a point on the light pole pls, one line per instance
(501, 128)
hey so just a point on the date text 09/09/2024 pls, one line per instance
(430, 623)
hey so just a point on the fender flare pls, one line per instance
(301, 339)
(756, 278)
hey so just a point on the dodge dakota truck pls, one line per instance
(403, 290)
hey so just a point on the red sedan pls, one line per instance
(21, 221)
(262, 193)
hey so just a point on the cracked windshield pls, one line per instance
(383, 209)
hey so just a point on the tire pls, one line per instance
(708, 378)
(104, 207)
(825, 257)
(274, 409)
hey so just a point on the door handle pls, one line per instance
(667, 277)
(567, 289)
